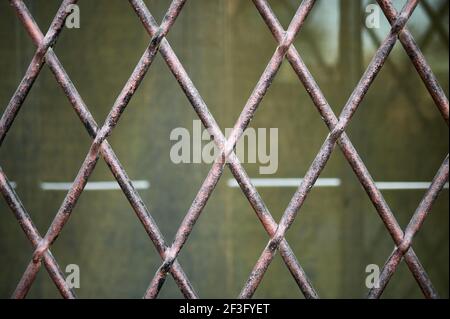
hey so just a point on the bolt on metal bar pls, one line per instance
(233, 162)
(413, 227)
(347, 148)
(92, 157)
(106, 151)
(217, 169)
(33, 235)
(325, 151)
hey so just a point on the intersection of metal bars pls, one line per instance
(337, 125)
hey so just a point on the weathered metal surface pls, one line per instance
(277, 232)
(105, 149)
(92, 157)
(324, 154)
(227, 148)
(348, 149)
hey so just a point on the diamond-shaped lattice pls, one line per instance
(337, 125)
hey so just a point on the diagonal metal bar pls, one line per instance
(233, 162)
(217, 169)
(325, 151)
(106, 151)
(419, 61)
(413, 227)
(92, 157)
(347, 148)
(428, 74)
(337, 127)
(401, 86)
(34, 68)
(14, 106)
(314, 47)
(33, 235)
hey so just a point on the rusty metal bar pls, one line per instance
(106, 151)
(419, 61)
(227, 156)
(217, 169)
(34, 68)
(325, 151)
(233, 162)
(33, 235)
(413, 227)
(347, 148)
(424, 71)
(402, 87)
(92, 157)
(11, 112)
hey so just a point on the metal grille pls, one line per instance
(100, 147)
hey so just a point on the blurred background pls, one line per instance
(224, 46)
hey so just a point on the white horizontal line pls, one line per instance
(287, 182)
(93, 186)
(329, 182)
(405, 185)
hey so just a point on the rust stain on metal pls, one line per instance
(285, 50)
